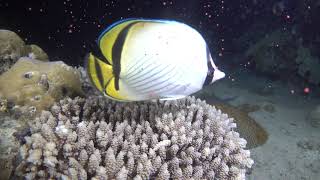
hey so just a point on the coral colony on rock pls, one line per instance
(260, 122)
(94, 137)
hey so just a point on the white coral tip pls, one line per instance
(61, 130)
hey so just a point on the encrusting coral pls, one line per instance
(38, 84)
(102, 139)
(12, 47)
(35, 52)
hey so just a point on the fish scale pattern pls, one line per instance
(96, 138)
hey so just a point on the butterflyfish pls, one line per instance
(148, 59)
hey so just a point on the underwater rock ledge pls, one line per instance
(98, 138)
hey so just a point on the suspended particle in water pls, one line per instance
(306, 90)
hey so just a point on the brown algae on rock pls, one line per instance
(35, 83)
(248, 128)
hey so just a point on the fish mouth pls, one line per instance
(217, 74)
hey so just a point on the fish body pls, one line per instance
(151, 59)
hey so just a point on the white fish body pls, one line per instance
(164, 60)
(170, 66)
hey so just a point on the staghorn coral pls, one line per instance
(102, 139)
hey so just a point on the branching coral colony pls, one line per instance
(102, 139)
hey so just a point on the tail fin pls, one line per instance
(99, 72)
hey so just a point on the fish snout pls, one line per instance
(217, 74)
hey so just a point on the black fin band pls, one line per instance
(210, 69)
(99, 72)
(116, 53)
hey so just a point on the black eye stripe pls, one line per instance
(210, 69)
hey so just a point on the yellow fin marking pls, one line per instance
(99, 72)
(111, 91)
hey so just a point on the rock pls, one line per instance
(3, 106)
(9, 145)
(314, 117)
(12, 47)
(39, 84)
(281, 54)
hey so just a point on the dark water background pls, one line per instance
(67, 29)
